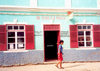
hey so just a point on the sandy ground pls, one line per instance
(87, 66)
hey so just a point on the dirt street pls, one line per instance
(87, 66)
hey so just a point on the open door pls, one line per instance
(51, 39)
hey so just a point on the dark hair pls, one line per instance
(61, 41)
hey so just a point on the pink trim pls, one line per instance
(93, 35)
(96, 33)
(29, 46)
(25, 36)
(51, 29)
(14, 30)
(44, 43)
(72, 30)
(6, 37)
(3, 46)
(14, 24)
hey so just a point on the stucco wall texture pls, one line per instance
(72, 55)
(37, 56)
(20, 58)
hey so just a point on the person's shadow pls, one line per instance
(71, 66)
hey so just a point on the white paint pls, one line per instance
(85, 48)
(84, 22)
(98, 3)
(67, 4)
(16, 40)
(81, 48)
(15, 21)
(14, 51)
(11, 46)
(33, 3)
(20, 45)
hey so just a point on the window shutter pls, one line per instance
(73, 36)
(29, 37)
(96, 35)
(3, 37)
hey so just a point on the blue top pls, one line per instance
(60, 48)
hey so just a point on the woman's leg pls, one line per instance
(60, 64)
(57, 63)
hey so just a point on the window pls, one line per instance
(15, 27)
(16, 36)
(85, 36)
(20, 40)
(9, 27)
(21, 27)
(81, 37)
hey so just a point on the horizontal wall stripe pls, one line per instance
(50, 14)
(28, 9)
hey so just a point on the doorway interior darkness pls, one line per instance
(51, 44)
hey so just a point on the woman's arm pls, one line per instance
(59, 51)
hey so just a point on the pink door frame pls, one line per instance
(51, 27)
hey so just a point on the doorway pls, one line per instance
(51, 39)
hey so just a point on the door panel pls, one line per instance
(51, 45)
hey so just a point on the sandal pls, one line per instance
(61, 68)
(56, 66)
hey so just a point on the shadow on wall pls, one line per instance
(73, 21)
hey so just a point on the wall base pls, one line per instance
(8, 58)
(87, 54)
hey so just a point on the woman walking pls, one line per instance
(60, 54)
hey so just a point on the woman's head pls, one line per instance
(61, 42)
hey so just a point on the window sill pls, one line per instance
(86, 48)
(82, 48)
(17, 50)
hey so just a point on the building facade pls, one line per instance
(36, 27)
